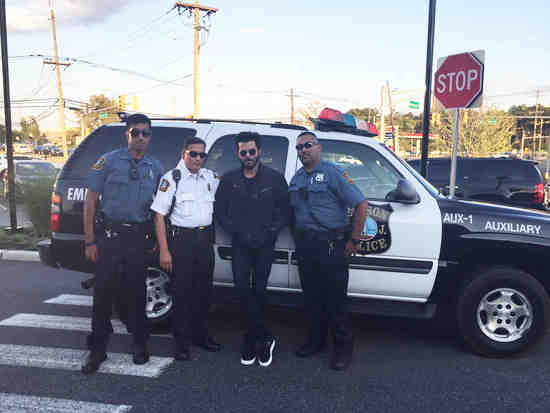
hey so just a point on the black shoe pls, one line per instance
(341, 357)
(309, 349)
(265, 354)
(182, 354)
(94, 360)
(207, 343)
(248, 354)
(141, 354)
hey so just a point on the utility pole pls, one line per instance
(7, 115)
(292, 106)
(535, 125)
(196, 8)
(59, 89)
(394, 138)
(382, 126)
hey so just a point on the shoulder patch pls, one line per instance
(347, 177)
(164, 185)
(98, 166)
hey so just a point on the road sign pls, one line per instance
(414, 104)
(459, 80)
(102, 115)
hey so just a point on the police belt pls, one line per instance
(176, 231)
(335, 234)
(117, 226)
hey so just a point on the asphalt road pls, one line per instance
(399, 365)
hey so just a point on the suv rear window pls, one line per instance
(166, 146)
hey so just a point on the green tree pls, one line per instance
(99, 104)
(26, 126)
(369, 114)
(35, 129)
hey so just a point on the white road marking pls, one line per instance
(71, 359)
(72, 299)
(3, 207)
(10, 403)
(56, 322)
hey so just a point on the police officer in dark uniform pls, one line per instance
(126, 180)
(320, 194)
(252, 205)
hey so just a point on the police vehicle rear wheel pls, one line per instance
(159, 301)
(502, 311)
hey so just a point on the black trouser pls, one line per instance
(324, 277)
(251, 268)
(193, 260)
(126, 247)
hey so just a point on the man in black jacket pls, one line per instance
(252, 205)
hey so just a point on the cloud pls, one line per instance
(33, 15)
(252, 30)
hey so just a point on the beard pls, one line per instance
(249, 163)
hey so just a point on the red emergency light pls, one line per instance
(334, 120)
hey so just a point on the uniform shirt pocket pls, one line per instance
(186, 201)
(116, 187)
(319, 193)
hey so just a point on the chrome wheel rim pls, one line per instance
(504, 315)
(159, 301)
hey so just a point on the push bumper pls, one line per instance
(46, 253)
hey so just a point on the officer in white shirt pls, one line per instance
(186, 196)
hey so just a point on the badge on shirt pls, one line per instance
(347, 178)
(98, 166)
(320, 177)
(164, 184)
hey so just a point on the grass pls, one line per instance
(22, 239)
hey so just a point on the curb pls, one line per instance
(16, 255)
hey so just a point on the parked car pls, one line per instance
(419, 252)
(506, 181)
(27, 171)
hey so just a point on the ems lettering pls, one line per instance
(76, 194)
(512, 227)
(457, 218)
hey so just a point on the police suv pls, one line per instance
(419, 252)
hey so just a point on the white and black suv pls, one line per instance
(420, 251)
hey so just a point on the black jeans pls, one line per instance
(193, 260)
(130, 250)
(251, 269)
(324, 277)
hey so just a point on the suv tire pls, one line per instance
(502, 311)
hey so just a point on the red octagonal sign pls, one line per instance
(459, 81)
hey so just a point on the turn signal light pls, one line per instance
(55, 210)
(538, 196)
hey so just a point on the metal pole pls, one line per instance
(427, 93)
(7, 115)
(452, 182)
(382, 131)
(196, 62)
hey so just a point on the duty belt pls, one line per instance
(176, 231)
(330, 235)
(128, 226)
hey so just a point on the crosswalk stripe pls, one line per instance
(56, 322)
(71, 359)
(72, 299)
(10, 403)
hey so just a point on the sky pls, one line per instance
(253, 52)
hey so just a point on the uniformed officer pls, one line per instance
(320, 194)
(186, 194)
(252, 205)
(126, 180)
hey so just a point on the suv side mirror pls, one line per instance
(403, 193)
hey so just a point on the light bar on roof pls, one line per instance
(346, 122)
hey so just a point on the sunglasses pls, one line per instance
(307, 145)
(251, 152)
(194, 154)
(136, 132)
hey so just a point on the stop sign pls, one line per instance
(459, 80)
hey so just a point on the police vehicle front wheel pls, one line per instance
(503, 311)
(159, 301)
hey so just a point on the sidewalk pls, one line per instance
(18, 255)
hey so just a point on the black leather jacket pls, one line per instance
(253, 214)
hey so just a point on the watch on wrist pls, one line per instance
(355, 241)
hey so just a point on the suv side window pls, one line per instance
(222, 156)
(166, 145)
(370, 171)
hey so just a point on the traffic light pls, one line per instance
(135, 103)
(121, 103)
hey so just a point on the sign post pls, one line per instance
(459, 84)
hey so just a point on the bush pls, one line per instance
(37, 200)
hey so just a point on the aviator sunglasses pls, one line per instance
(307, 145)
(251, 152)
(194, 154)
(134, 132)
